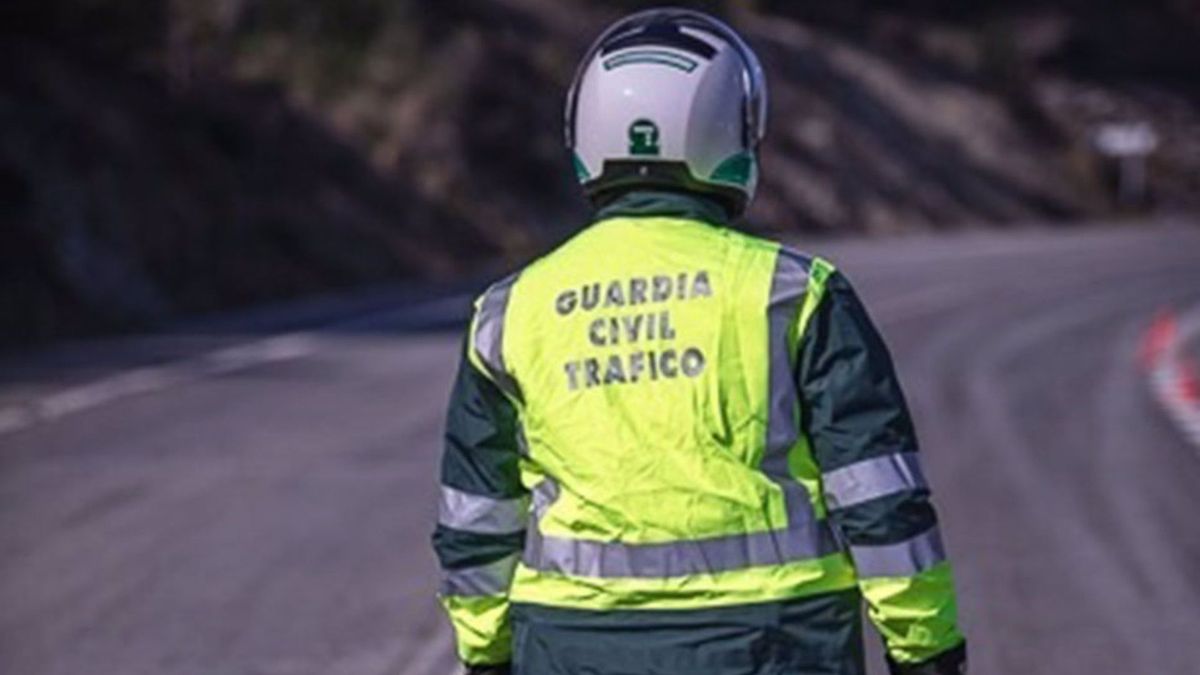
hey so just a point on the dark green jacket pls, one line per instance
(852, 410)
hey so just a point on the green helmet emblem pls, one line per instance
(643, 138)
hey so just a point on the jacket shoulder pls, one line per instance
(790, 253)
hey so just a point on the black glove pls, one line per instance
(949, 662)
(496, 669)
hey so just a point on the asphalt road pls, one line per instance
(271, 517)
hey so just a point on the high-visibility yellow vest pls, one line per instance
(660, 421)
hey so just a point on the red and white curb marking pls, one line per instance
(1174, 373)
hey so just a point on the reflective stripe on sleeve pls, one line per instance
(475, 513)
(488, 336)
(493, 578)
(872, 478)
(903, 559)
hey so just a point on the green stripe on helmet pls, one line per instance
(581, 172)
(735, 169)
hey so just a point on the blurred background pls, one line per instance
(162, 158)
(238, 240)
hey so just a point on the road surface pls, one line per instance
(271, 516)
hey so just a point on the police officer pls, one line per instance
(673, 447)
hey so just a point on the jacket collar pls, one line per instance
(649, 203)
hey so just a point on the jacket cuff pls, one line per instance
(495, 669)
(950, 662)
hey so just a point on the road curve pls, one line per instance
(272, 519)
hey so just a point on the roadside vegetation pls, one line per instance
(161, 158)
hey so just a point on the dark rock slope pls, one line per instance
(161, 158)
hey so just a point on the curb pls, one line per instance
(1174, 375)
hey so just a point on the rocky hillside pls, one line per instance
(160, 158)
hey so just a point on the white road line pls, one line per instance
(15, 418)
(148, 379)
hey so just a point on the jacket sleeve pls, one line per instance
(482, 515)
(863, 441)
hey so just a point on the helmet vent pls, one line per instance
(660, 34)
(661, 57)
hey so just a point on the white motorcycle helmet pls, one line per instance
(668, 98)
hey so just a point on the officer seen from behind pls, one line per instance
(672, 447)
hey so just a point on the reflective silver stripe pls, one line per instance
(805, 538)
(900, 560)
(475, 513)
(489, 332)
(585, 558)
(788, 285)
(544, 494)
(493, 578)
(872, 478)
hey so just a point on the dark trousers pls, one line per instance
(817, 635)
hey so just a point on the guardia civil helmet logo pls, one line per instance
(643, 138)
